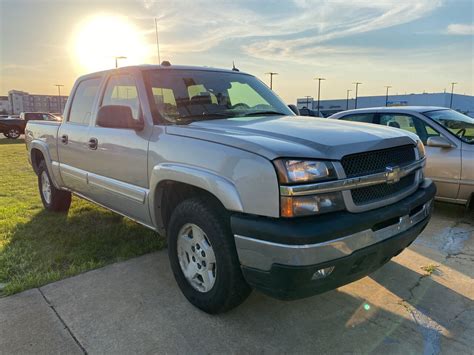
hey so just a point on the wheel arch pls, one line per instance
(173, 183)
(39, 151)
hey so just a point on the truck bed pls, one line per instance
(45, 131)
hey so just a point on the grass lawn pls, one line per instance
(38, 247)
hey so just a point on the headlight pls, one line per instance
(296, 206)
(421, 149)
(303, 171)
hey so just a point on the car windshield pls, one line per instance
(183, 96)
(458, 124)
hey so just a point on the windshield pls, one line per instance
(458, 124)
(184, 96)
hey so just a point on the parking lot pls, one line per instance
(420, 302)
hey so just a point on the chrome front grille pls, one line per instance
(378, 161)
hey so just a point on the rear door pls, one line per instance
(117, 163)
(73, 135)
(443, 165)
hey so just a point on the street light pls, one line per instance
(319, 89)
(452, 93)
(271, 78)
(357, 90)
(386, 95)
(59, 96)
(117, 58)
(347, 99)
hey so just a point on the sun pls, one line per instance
(98, 39)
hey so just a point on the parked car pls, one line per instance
(14, 127)
(247, 195)
(308, 112)
(449, 139)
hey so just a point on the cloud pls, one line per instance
(461, 29)
(295, 30)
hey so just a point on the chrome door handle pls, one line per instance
(93, 142)
(64, 138)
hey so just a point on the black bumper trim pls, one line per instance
(326, 227)
(290, 282)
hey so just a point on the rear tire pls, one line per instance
(214, 281)
(13, 133)
(53, 199)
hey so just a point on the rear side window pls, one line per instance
(81, 107)
(361, 117)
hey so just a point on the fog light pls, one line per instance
(322, 273)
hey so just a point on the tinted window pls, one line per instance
(121, 90)
(84, 97)
(361, 117)
(410, 124)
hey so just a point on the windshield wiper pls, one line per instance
(257, 113)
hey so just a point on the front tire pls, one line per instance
(203, 257)
(53, 199)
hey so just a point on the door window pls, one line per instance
(122, 90)
(361, 117)
(81, 107)
(410, 124)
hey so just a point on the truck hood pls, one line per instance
(295, 136)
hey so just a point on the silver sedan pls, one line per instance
(448, 137)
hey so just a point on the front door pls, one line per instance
(117, 161)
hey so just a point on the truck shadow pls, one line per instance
(51, 246)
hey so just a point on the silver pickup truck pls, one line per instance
(248, 194)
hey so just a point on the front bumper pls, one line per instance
(280, 257)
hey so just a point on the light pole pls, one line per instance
(117, 58)
(347, 99)
(59, 96)
(452, 93)
(307, 101)
(357, 90)
(271, 78)
(386, 95)
(319, 90)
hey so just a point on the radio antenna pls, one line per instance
(157, 41)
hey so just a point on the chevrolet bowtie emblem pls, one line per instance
(393, 174)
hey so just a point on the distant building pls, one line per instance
(21, 101)
(461, 103)
(4, 105)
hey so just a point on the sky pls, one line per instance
(411, 45)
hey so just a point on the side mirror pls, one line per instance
(438, 141)
(118, 116)
(294, 109)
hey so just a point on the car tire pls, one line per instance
(13, 133)
(5, 134)
(214, 282)
(53, 199)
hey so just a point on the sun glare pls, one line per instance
(99, 39)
